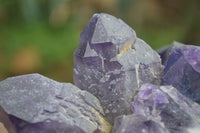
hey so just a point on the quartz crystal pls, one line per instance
(5, 124)
(112, 63)
(136, 124)
(182, 70)
(167, 106)
(38, 104)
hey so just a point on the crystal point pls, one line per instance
(112, 63)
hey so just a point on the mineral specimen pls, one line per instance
(38, 104)
(165, 105)
(182, 70)
(5, 125)
(136, 124)
(112, 63)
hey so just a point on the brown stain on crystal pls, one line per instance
(105, 126)
(126, 48)
(2, 128)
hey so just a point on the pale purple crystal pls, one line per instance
(182, 70)
(136, 124)
(165, 105)
(36, 102)
(112, 63)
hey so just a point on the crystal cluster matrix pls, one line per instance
(121, 86)
(112, 63)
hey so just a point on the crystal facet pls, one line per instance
(165, 105)
(182, 70)
(136, 124)
(112, 63)
(35, 102)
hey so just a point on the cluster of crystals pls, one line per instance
(121, 79)
(174, 105)
(112, 63)
(168, 107)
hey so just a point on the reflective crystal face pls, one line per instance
(165, 105)
(136, 124)
(182, 70)
(36, 102)
(112, 63)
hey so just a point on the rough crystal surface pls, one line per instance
(165, 105)
(5, 124)
(36, 100)
(112, 63)
(52, 127)
(182, 70)
(136, 124)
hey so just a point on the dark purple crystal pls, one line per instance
(38, 104)
(165, 105)
(112, 63)
(182, 70)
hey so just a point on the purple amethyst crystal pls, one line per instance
(5, 124)
(182, 70)
(165, 105)
(136, 124)
(112, 63)
(38, 104)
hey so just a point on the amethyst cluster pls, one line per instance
(112, 63)
(166, 106)
(124, 85)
